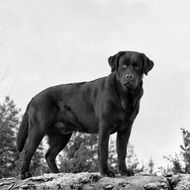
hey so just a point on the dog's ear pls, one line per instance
(113, 60)
(147, 64)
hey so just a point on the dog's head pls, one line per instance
(130, 67)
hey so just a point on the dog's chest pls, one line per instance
(127, 105)
(124, 115)
(127, 109)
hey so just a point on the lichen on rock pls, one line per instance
(93, 181)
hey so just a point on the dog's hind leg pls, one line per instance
(34, 138)
(57, 142)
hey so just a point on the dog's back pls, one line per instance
(105, 105)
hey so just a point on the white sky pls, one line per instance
(45, 43)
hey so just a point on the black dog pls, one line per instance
(104, 106)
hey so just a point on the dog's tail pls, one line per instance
(23, 131)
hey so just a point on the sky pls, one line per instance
(45, 43)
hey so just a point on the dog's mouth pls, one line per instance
(129, 84)
(133, 83)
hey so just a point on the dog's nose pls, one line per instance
(129, 77)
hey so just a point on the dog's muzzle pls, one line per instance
(129, 77)
(129, 81)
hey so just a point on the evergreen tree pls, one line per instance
(151, 165)
(112, 161)
(9, 121)
(38, 164)
(185, 149)
(131, 158)
(176, 165)
(80, 154)
(132, 161)
(185, 153)
(9, 156)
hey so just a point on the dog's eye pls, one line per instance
(124, 66)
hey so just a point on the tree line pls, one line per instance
(79, 155)
(181, 161)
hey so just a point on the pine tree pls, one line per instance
(9, 121)
(132, 161)
(185, 153)
(9, 156)
(185, 149)
(131, 158)
(38, 165)
(80, 154)
(176, 165)
(151, 165)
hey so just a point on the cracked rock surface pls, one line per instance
(93, 181)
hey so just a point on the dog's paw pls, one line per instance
(127, 173)
(25, 175)
(108, 174)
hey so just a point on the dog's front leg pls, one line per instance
(122, 141)
(103, 141)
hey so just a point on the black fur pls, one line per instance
(104, 106)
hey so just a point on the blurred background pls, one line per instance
(45, 43)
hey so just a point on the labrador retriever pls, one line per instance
(104, 106)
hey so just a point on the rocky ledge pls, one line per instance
(93, 181)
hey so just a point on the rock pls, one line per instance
(65, 181)
(109, 187)
(171, 182)
(182, 182)
(93, 181)
(157, 186)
